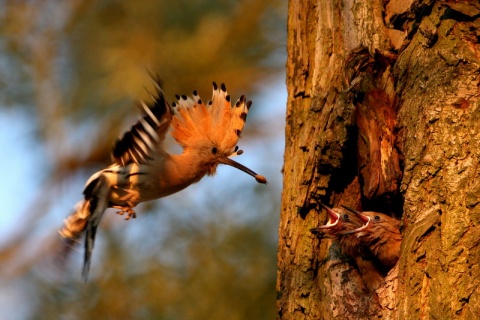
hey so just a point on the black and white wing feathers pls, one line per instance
(140, 143)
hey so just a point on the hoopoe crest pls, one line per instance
(195, 123)
(143, 170)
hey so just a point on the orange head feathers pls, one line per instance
(211, 130)
(194, 122)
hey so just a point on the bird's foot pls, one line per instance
(129, 211)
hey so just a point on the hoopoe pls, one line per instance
(381, 234)
(143, 170)
(340, 221)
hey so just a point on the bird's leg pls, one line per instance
(129, 199)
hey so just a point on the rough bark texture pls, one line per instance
(383, 114)
(439, 119)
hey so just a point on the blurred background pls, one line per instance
(71, 73)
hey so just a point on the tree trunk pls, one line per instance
(384, 115)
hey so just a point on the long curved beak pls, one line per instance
(364, 218)
(235, 164)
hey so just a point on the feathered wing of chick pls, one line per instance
(143, 170)
(381, 234)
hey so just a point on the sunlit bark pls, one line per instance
(382, 114)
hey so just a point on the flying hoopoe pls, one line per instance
(381, 234)
(143, 170)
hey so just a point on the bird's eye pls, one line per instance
(345, 216)
(214, 150)
(376, 218)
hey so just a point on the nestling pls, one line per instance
(142, 170)
(381, 234)
(341, 221)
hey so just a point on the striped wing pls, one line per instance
(142, 141)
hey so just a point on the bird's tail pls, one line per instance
(86, 218)
(76, 223)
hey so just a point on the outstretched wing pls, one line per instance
(144, 138)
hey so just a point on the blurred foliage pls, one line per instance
(77, 68)
(220, 270)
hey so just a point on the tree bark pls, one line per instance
(383, 114)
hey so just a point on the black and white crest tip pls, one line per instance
(139, 143)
